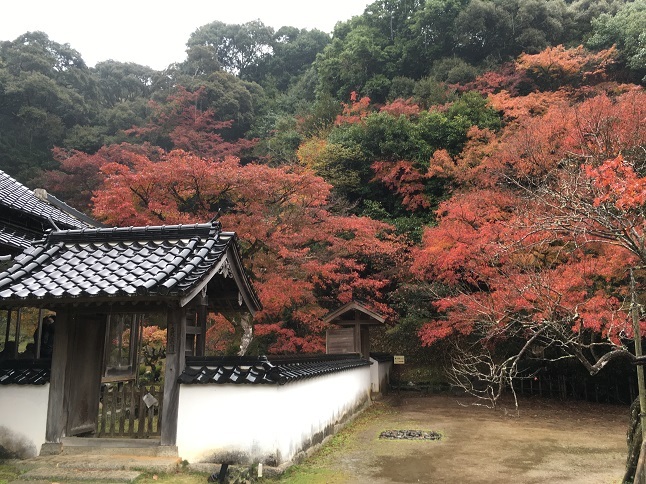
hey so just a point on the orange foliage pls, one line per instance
(471, 229)
(556, 66)
(481, 144)
(303, 258)
(520, 108)
(188, 127)
(401, 107)
(548, 213)
(405, 180)
(219, 335)
(354, 111)
(618, 184)
(153, 336)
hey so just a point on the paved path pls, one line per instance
(109, 467)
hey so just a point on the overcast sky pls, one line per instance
(154, 32)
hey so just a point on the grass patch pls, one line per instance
(181, 477)
(318, 469)
(308, 474)
(8, 473)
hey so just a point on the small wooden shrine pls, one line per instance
(352, 331)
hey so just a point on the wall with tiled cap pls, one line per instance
(269, 424)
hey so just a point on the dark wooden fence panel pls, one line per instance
(558, 386)
(130, 411)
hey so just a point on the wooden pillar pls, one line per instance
(175, 361)
(202, 312)
(58, 398)
(357, 338)
(365, 341)
(17, 336)
(8, 329)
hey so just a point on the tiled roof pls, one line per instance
(347, 315)
(15, 195)
(14, 238)
(274, 370)
(24, 372)
(117, 263)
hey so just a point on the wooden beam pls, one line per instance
(39, 336)
(175, 361)
(205, 280)
(352, 322)
(94, 305)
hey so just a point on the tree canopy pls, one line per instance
(419, 158)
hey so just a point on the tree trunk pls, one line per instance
(247, 333)
(634, 440)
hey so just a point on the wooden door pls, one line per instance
(85, 367)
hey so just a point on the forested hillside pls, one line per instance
(474, 169)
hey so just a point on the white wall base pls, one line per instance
(266, 423)
(23, 418)
(380, 375)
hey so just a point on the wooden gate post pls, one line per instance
(58, 399)
(175, 361)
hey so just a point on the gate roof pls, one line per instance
(135, 264)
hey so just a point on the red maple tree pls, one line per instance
(180, 122)
(354, 111)
(304, 260)
(184, 122)
(546, 222)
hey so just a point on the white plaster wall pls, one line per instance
(380, 375)
(23, 418)
(263, 423)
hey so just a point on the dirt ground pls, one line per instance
(549, 442)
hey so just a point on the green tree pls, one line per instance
(585, 11)
(346, 156)
(453, 70)
(347, 64)
(236, 48)
(502, 29)
(230, 97)
(123, 81)
(46, 89)
(627, 30)
(435, 33)
(293, 52)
